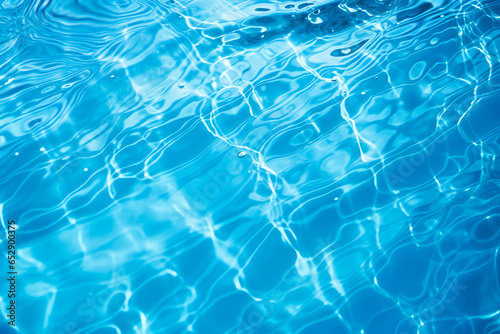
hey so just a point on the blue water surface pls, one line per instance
(264, 166)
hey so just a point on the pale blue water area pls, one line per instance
(254, 166)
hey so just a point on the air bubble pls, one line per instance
(182, 85)
(241, 154)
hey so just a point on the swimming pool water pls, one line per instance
(254, 167)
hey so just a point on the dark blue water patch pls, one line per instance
(405, 272)
(476, 286)
(366, 305)
(223, 314)
(331, 325)
(164, 285)
(386, 321)
(487, 191)
(348, 50)
(493, 5)
(473, 124)
(203, 251)
(23, 181)
(322, 231)
(271, 257)
(34, 122)
(299, 25)
(359, 198)
(304, 5)
(328, 320)
(487, 229)
(254, 319)
(414, 12)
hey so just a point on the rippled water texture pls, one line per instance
(269, 166)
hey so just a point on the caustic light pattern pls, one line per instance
(260, 166)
